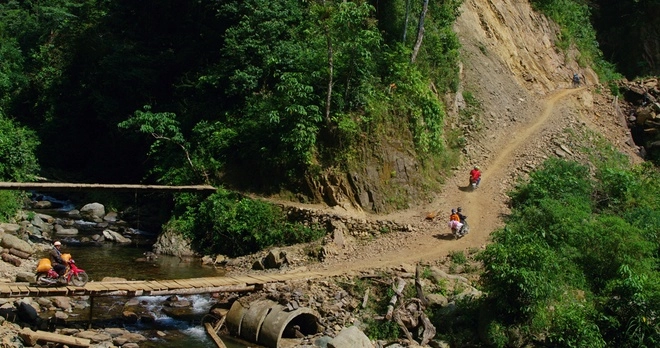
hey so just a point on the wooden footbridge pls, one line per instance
(207, 285)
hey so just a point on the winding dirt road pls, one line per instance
(484, 207)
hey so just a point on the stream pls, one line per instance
(168, 328)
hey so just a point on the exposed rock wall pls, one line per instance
(510, 54)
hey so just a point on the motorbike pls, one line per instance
(465, 229)
(72, 275)
(474, 184)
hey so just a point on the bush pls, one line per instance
(232, 224)
(577, 267)
(10, 203)
(17, 151)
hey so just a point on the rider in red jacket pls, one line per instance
(475, 175)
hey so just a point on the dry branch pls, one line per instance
(418, 287)
(214, 335)
(397, 292)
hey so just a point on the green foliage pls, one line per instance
(10, 203)
(18, 144)
(573, 325)
(387, 330)
(577, 266)
(557, 179)
(234, 225)
(458, 257)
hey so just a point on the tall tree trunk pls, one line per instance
(420, 31)
(405, 23)
(328, 99)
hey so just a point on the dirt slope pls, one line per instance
(523, 83)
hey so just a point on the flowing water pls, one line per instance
(181, 329)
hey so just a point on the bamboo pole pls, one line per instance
(193, 291)
(214, 335)
(49, 186)
(31, 337)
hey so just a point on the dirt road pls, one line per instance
(485, 206)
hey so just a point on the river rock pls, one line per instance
(110, 217)
(62, 303)
(10, 241)
(94, 336)
(42, 204)
(10, 228)
(350, 337)
(38, 221)
(26, 277)
(61, 231)
(275, 259)
(128, 337)
(93, 212)
(61, 316)
(74, 214)
(115, 237)
(115, 331)
(437, 300)
(171, 242)
(47, 218)
(130, 317)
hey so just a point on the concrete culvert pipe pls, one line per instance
(266, 322)
(279, 323)
(254, 317)
(235, 317)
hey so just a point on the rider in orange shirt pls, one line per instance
(454, 216)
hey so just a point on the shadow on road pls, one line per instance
(444, 236)
(466, 188)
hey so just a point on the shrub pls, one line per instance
(232, 224)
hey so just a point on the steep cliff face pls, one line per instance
(509, 63)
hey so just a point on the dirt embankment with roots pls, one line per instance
(529, 112)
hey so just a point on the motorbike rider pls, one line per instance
(59, 265)
(454, 222)
(475, 175)
(459, 212)
(576, 80)
(454, 216)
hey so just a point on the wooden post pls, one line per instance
(91, 312)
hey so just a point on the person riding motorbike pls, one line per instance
(454, 216)
(475, 175)
(59, 265)
(461, 217)
(576, 80)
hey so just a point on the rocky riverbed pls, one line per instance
(346, 308)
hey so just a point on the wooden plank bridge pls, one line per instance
(156, 287)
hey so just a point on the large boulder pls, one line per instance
(9, 228)
(10, 241)
(93, 212)
(171, 242)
